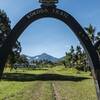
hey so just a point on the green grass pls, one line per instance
(11, 88)
(77, 89)
(38, 91)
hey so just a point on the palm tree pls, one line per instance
(93, 37)
(98, 36)
(91, 32)
(97, 41)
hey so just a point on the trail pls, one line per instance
(55, 88)
(38, 90)
(55, 92)
(43, 92)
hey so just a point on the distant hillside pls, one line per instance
(43, 56)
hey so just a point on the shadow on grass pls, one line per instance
(22, 77)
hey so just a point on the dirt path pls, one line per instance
(43, 92)
(56, 92)
(55, 88)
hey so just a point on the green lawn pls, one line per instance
(55, 83)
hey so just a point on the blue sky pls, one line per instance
(50, 35)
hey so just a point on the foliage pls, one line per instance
(91, 31)
(76, 58)
(43, 63)
(94, 37)
(5, 29)
(43, 90)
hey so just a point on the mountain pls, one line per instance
(43, 56)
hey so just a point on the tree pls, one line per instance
(98, 36)
(72, 50)
(72, 55)
(23, 60)
(76, 58)
(98, 39)
(69, 58)
(78, 50)
(91, 32)
(94, 37)
(80, 58)
(5, 29)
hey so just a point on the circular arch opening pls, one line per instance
(50, 35)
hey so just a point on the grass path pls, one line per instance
(50, 89)
(38, 91)
(71, 90)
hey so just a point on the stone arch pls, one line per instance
(97, 44)
(68, 20)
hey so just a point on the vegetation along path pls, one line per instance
(56, 83)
